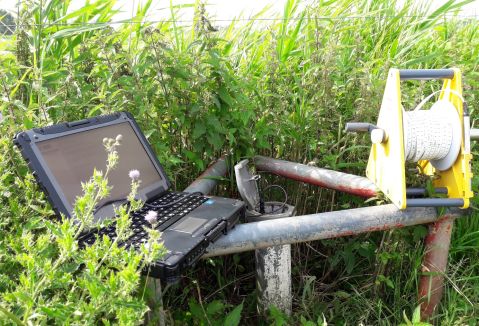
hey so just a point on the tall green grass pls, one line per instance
(282, 87)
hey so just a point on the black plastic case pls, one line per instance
(188, 249)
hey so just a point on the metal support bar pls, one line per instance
(257, 235)
(349, 183)
(422, 191)
(434, 265)
(202, 183)
(424, 74)
(251, 236)
(435, 202)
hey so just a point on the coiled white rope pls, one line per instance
(433, 135)
(428, 135)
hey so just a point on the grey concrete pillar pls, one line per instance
(273, 278)
(273, 265)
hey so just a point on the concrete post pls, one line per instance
(273, 278)
(273, 265)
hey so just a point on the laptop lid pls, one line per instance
(63, 156)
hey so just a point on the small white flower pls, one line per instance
(119, 138)
(151, 216)
(134, 174)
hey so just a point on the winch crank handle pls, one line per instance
(474, 133)
(360, 127)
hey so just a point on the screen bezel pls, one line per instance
(48, 181)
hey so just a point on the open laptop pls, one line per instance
(63, 156)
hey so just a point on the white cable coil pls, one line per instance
(428, 135)
(433, 135)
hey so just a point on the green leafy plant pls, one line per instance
(416, 319)
(214, 313)
(56, 281)
(282, 86)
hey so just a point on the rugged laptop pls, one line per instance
(64, 155)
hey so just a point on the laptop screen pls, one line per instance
(72, 158)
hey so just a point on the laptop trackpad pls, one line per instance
(189, 224)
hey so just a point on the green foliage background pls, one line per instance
(283, 88)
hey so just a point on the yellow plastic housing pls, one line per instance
(386, 164)
(458, 178)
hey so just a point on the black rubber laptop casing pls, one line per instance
(185, 248)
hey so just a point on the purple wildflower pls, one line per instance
(134, 175)
(151, 217)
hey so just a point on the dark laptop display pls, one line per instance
(72, 158)
(64, 155)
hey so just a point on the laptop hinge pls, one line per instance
(155, 193)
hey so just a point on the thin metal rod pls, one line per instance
(435, 202)
(349, 183)
(205, 182)
(422, 191)
(424, 74)
(434, 265)
(250, 236)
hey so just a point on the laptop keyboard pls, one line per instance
(183, 203)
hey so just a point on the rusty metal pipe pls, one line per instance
(434, 265)
(250, 236)
(205, 185)
(349, 183)
(264, 234)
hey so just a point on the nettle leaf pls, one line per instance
(199, 130)
(245, 116)
(27, 123)
(349, 260)
(216, 124)
(214, 307)
(231, 137)
(234, 317)
(195, 108)
(419, 232)
(216, 140)
(196, 310)
(216, 101)
(225, 95)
